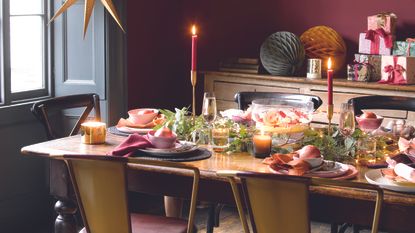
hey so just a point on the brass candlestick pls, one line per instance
(329, 116)
(193, 80)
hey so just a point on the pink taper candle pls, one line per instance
(194, 48)
(329, 83)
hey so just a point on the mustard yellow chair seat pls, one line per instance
(143, 223)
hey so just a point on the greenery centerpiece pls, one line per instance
(333, 146)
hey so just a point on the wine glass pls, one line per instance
(346, 121)
(209, 107)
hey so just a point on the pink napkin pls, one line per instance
(407, 147)
(130, 145)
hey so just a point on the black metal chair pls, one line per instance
(245, 98)
(44, 111)
(382, 102)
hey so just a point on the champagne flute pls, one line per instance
(209, 107)
(346, 121)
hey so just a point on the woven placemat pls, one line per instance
(198, 154)
(115, 131)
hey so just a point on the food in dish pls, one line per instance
(282, 116)
(369, 121)
(142, 116)
(161, 141)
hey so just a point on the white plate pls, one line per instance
(339, 169)
(126, 129)
(180, 148)
(375, 177)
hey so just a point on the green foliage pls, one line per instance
(241, 137)
(182, 123)
(333, 146)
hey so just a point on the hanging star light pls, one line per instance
(89, 7)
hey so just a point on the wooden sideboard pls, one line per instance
(226, 84)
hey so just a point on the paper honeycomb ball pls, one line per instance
(282, 53)
(324, 42)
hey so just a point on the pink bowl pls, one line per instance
(142, 116)
(161, 142)
(369, 123)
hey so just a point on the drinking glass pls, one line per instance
(209, 107)
(220, 138)
(346, 121)
(366, 151)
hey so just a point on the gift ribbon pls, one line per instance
(409, 41)
(374, 36)
(395, 73)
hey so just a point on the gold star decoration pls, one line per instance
(89, 7)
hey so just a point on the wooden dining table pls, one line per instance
(334, 205)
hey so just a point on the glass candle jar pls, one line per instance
(93, 132)
(262, 145)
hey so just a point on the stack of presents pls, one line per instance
(381, 58)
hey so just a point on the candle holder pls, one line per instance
(262, 144)
(329, 116)
(93, 132)
(193, 80)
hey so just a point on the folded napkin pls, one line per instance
(407, 147)
(400, 172)
(156, 121)
(130, 145)
(405, 171)
(296, 167)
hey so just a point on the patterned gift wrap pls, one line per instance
(386, 21)
(376, 45)
(359, 72)
(374, 61)
(404, 48)
(398, 70)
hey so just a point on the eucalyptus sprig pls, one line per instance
(182, 123)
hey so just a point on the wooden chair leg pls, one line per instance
(356, 228)
(211, 218)
(333, 228)
(218, 209)
(344, 227)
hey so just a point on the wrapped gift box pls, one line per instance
(360, 72)
(404, 48)
(386, 21)
(374, 61)
(378, 45)
(398, 70)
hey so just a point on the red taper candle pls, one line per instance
(194, 48)
(329, 83)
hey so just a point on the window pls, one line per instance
(24, 54)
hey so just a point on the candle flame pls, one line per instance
(194, 30)
(329, 63)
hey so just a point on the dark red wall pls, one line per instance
(159, 39)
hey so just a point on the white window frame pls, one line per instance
(8, 98)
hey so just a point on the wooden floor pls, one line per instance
(229, 223)
(229, 219)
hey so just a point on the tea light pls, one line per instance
(262, 145)
(93, 132)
